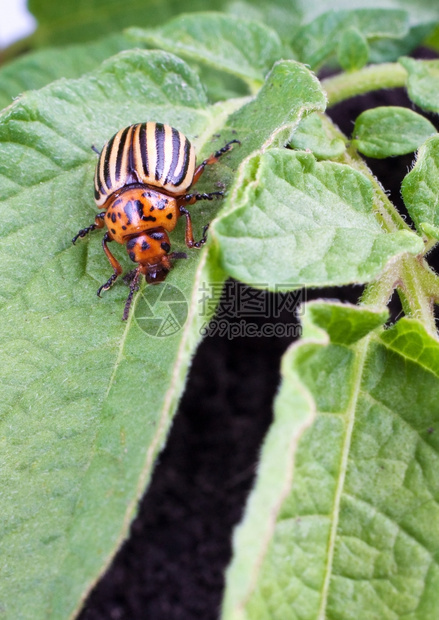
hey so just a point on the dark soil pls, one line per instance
(172, 566)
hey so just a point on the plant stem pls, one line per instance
(379, 292)
(416, 298)
(346, 85)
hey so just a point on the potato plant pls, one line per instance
(342, 520)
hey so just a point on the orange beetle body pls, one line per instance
(142, 178)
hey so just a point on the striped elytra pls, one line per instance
(150, 153)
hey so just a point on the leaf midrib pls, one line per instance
(183, 352)
(361, 352)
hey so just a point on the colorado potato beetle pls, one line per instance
(142, 179)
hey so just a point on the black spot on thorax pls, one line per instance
(162, 203)
(156, 235)
(139, 207)
(129, 211)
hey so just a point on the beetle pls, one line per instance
(142, 179)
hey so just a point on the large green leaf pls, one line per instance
(355, 535)
(420, 189)
(242, 48)
(86, 399)
(390, 130)
(66, 22)
(36, 69)
(304, 223)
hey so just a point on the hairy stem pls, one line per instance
(416, 298)
(379, 292)
(346, 85)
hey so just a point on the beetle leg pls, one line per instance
(134, 286)
(99, 223)
(177, 255)
(212, 159)
(190, 199)
(114, 263)
(128, 277)
(189, 234)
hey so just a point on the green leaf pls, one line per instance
(65, 22)
(284, 16)
(352, 50)
(385, 50)
(390, 130)
(36, 69)
(429, 230)
(273, 481)
(242, 48)
(60, 23)
(317, 41)
(423, 82)
(86, 399)
(311, 135)
(432, 41)
(344, 324)
(304, 223)
(355, 535)
(290, 92)
(420, 188)
(220, 86)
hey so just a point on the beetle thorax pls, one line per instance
(137, 209)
